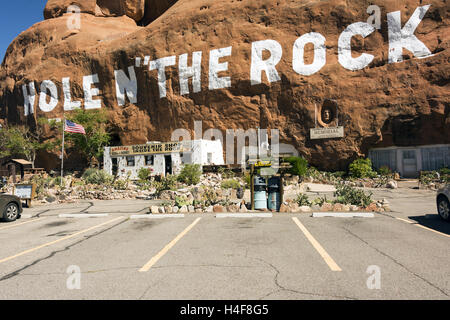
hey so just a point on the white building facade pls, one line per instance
(409, 161)
(162, 158)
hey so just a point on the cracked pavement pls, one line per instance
(230, 258)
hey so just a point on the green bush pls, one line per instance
(247, 179)
(348, 195)
(385, 171)
(361, 168)
(144, 174)
(230, 184)
(190, 174)
(166, 183)
(120, 184)
(303, 200)
(96, 176)
(226, 173)
(182, 201)
(299, 166)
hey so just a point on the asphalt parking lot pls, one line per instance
(403, 254)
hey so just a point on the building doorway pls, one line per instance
(409, 163)
(168, 164)
(115, 167)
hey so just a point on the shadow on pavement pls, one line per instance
(433, 221)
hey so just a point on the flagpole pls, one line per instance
(62, 151)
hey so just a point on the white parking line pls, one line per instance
(244, 215)
(160, 254)
(343, 214)
(329, 261)
(156, 216)
(83, 215)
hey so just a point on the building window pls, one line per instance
(186, 157)
(209, 155)
(130, 162)
(149, 160)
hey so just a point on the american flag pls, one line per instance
(73, 127)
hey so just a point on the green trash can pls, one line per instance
(274, 197)
(260, 193)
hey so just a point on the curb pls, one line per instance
(83, 215)
(244, 215)
(343, 214)
(156, 216)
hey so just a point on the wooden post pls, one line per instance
(252, 186)
(281, 189)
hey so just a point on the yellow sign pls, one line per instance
(151, 148)
(263, 163)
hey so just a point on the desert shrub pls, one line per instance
(190, 174)
(230, 184)
(338, 174)
(384, 171)
(226, 173)
(182, 201)
(346, 194)
(303, 200)
(166, 183)
(361, 168)
(96, 176)
(319, 201)
(210, 196)
(144, 174)
(313, 173)
(247, 179)
(120, 184)
(299, 166)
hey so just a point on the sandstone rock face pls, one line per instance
(105, 8)
(383, 104)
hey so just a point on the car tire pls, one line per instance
(443, 207)
(11, 212)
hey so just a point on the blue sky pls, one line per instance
(17, 16)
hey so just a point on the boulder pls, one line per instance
(154, 209)
(304, 209)
(218, 209)
(183, 209)
(284, 208)
(110, 39)
(326, 207)
(392, 184)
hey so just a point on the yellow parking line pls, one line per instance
(59, 240)
(330, 262)
(423, 227)
(160, 254)
(19, 224)
(426, 228)
(404, 220)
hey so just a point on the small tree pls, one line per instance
(22, 141)
(299, 166)
(190, 174)
(90, 145)
(361, 168)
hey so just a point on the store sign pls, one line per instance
(326, 133)
(151, 148)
